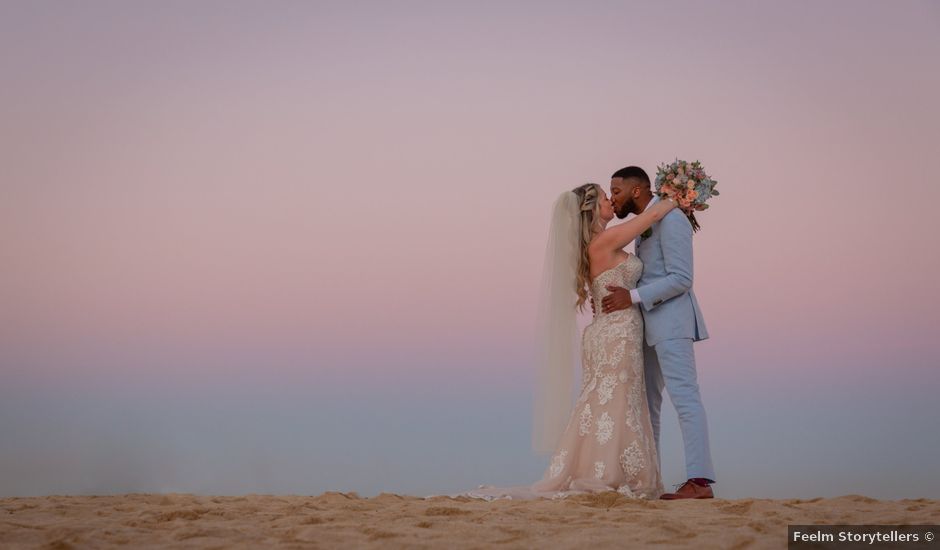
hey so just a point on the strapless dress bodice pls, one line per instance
(625, 274)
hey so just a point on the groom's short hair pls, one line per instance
(632, 172)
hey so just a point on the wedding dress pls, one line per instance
(608, 443)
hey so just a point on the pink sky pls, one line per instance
(332, 194)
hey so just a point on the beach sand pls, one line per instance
(345, 520)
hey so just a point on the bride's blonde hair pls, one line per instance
(590, 207)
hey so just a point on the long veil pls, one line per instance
(556, 332)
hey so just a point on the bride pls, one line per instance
(605, 442)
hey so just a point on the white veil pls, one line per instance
(556, 333)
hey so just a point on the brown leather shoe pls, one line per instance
(689, 489)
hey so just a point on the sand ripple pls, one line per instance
(346, 520)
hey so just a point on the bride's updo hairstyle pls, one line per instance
(590, 212)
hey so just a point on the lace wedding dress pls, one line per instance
(608, 443)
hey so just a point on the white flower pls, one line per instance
(587, 420)
(558, 463)
(605, 428)
(631, 459)
(606, 391)
(634, 401)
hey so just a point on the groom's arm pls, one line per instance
(676, 243)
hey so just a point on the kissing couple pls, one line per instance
(639, 342)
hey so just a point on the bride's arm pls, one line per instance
(619, 236)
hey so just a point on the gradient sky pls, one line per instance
(295, 247)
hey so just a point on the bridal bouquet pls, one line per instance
(686, 183)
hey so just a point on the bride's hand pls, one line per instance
(663, 207)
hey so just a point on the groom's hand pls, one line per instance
(619, 298)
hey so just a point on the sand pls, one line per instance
(345, 520)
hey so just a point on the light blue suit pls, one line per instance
(673, 321)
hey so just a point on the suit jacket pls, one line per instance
(669, 307)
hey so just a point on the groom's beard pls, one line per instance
(626, 209)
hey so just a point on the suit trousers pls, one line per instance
(671, 363)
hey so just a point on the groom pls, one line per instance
(673, 321)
